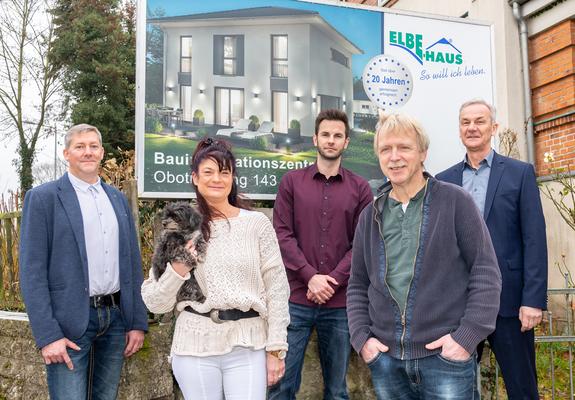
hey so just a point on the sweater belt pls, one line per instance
(220, 316)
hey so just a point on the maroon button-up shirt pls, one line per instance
(315, 220)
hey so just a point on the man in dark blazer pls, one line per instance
(80, 274)
(506, 192)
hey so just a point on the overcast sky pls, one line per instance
(45, 154)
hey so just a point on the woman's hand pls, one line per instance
(181, 268)
(275, 369)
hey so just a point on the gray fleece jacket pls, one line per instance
(456, 281)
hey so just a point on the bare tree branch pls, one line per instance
(29, 81)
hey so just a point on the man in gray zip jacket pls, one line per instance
(425, 284)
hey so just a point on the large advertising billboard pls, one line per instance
(257, 72)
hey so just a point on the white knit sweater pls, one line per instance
(243, 269)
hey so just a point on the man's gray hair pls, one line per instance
(400, 123)
(80, 128)
(481, 102)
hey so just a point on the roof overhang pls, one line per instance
(530, 7)
(313, 19)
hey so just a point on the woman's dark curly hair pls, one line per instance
(220, 152)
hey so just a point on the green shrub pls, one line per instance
(254, 123)
(199, 114)
(294, 124)
(153, 124)
(260, 143)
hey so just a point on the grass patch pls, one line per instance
(547, 355)
(560, 362)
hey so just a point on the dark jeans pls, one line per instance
(429, 378)
(106, 335)
(334, 351)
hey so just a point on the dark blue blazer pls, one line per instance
(54, 264)
(514, 217)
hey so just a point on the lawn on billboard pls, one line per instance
(261, 169)
(256, 73)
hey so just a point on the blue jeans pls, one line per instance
(104, 342)
(429, 378)
(334, 350)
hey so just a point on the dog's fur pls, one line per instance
(180, 224)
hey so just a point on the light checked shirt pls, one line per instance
(100, 236)
(475, 180)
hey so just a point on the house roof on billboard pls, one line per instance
(240, 13)
(240, 16)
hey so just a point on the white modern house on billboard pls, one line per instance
(279, 64)
(363, 105)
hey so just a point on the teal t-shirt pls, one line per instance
(401, 236)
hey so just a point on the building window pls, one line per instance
(185, 54)
(280, 107)
(230, 58)
(229, 106)
(365, 107)
(279, 56)
(229, 55)
(186, 103)
(326, 102)
(339, 57)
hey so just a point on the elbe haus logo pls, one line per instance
(441, 51)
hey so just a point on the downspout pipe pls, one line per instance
(526, 85)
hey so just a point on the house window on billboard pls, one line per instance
(280, 106)
(230, 55)
(339, 57)
(185, 54)
(279, 56)
(229, 106)
(328, 102)
(365, 107)
(186, 102)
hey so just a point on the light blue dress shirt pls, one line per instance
(475, 180)
(100, 236)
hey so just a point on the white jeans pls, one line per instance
(240, 375)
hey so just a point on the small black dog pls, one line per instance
(181, 223)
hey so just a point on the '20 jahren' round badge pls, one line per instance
(387, 82)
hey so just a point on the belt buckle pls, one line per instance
(215, 316)
(97, 301)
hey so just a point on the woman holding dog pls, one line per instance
(234, 343)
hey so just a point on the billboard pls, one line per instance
(257, 72)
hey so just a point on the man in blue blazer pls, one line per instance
(506, 192)
(80, 275)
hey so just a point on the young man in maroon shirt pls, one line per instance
(315, 214)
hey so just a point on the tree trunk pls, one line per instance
(25, 169)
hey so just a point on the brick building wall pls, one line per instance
(552, 76)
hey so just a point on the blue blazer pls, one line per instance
(514, 217)
(54, 264)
